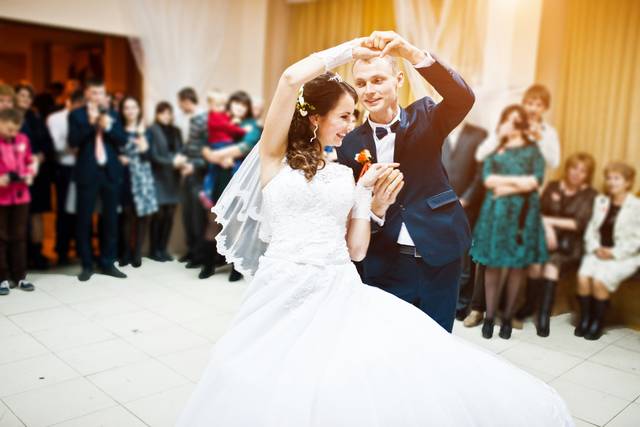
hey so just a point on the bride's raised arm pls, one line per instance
(273, 143)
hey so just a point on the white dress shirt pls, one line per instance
(58, 125)
(385, 150)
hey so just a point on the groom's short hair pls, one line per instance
(395, 65)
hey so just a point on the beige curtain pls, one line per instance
(598, 93)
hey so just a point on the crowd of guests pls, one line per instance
(105, 162)
(528, 231)
(103, 158)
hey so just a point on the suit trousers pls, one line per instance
(88, 193)
(432, 289)
(64, 221)
(13, 241)
(193, 215)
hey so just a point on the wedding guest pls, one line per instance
(16, 173)
(458, 158)
(42, 149)
(566, 208)
(509, 233)
(166, 162)
(536, 102)
(97, 134)
(222, 132)
(228, 160)
(7, 96)
(193, 215)
(612, 248)
(58, 124)
(139, 193)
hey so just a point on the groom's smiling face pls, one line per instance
(377, 82)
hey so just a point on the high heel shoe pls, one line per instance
(505, 329)
(487, 328)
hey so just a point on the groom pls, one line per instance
(419, 235)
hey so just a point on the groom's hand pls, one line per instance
(391, 43)
(385, 191)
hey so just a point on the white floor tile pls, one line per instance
(93, 358)
(110, 417)
(163, 409)
(629, 417)
(189, 363)
(18, 347)
(102, 308)
(8, 328)
(541, 359)
(212, 326)
(137, 380)
(630, 342)
(58, 402)
(32, 373)
(71, 336)
(139, 322)
(7, 418)
(580, 423)
(620, 358)
(605, 379)
(587, 404)
(165, 341)
(50, 318)
(566, 342)
(21, 302)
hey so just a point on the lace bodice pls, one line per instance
(308, 219)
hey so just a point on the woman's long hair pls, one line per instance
(522, 125)
(321, 95)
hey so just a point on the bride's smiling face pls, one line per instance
(334, 126)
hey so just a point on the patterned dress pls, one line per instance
(509, 231)
(142, 187)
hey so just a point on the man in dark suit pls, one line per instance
(95, 132)
(419, 237)
(458, 158)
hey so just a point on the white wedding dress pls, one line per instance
(314, 346)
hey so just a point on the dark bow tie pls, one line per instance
(382, 131)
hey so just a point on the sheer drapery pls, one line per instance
(598, 100)
(177, 44)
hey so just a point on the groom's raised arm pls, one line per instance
(457, 96)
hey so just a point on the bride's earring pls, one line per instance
(315, 134)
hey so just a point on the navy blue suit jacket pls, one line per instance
(82, 135)
(427, 204)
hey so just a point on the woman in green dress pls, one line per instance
(228, 161)
(509, 233)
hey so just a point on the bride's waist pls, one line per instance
(316, 253)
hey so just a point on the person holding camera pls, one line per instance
(509, 233)
(566, 206)
(96, 132)
(17, 169)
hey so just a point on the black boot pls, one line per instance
(165, 234)
(532, 291)
(155, 239)
(598, 309)
(487, 328)
(585, 316)
(546, 306)
(235, 275)
(209, 260)
(505, 329)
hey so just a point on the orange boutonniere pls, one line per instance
(364, 158)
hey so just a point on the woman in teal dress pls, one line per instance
(227, 161)
(509, 232)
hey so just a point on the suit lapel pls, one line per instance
(400, 135)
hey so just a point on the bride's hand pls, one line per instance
(374, 172)
(362, 51)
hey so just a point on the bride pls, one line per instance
(311, 344)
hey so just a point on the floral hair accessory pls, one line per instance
(302, 106)
(364, 158)
(336, 78)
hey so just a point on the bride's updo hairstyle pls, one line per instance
(318, 96)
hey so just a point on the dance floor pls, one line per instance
(122, 353)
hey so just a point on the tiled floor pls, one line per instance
(119, 353)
